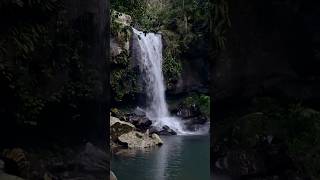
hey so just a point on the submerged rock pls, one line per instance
(167, 131)
(136, 139)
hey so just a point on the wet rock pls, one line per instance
(118, 127)
(188, 111)
(167, 131)
(156, 138)
(153, 129)
(112, 176)
(139, 112)
(136, 139)
(192, 124)
(140, 122)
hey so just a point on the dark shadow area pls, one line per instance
(54, 89)
(265, 93)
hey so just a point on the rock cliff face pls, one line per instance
(271, 48)
(270, 61)
(195, 69)
(126, 85)
(124, 71)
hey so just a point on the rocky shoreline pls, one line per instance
(82, 162)
(135, 130)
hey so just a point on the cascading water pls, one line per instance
(148, 51)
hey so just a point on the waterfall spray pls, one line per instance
(148, 52)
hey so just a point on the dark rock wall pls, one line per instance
(91, 18)
(51, 71)
(272, 48)
(195, 69)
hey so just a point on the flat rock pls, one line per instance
(136, 139)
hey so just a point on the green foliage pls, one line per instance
(42, 60)
(118, 29)
(134, 8)
(123, 78)
(201, 101)
(124, 82)
(180, 22)
(171, 69)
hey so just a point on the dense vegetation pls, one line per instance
(44, 67)
(180, 22)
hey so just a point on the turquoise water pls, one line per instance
(180, 158)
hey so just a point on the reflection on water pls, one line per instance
(164, 156)
(180, 158)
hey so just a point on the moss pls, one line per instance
(199, 100)
(124, 82)
(123, 78)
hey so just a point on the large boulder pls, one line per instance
(136, 139)
(118, 127)
(140, 121)
(167, 131)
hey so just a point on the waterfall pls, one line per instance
(148, 51)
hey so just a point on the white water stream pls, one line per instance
(148, 51)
